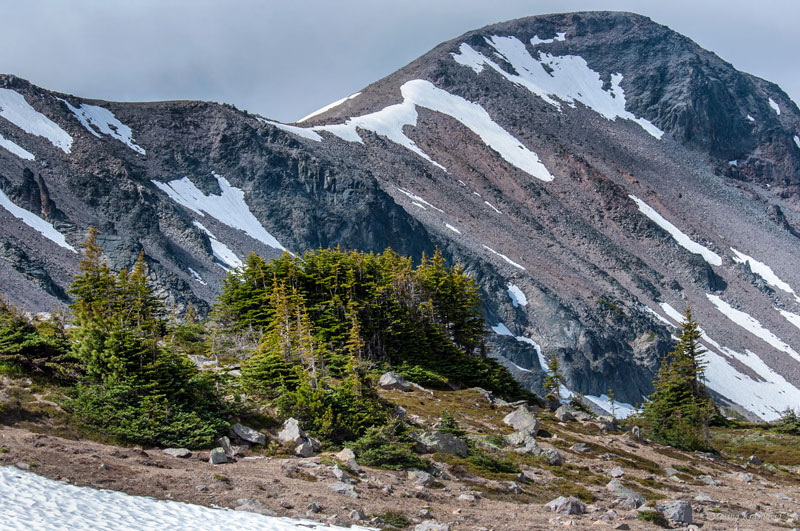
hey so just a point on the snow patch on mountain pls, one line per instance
(504, 257)
(229, 207)
(763, 270)
(492, 207)
(752, 325)
(299, 131)
(328, 107)
(567, 78)
(561, 36)
(417, 199)
(16, 110)
(791, 317)
(390, 121)
(767, 397)
(221, 252)
(197, 276)
(100, 121)
(452, 228)
(35, 502)
(797, 141)
(775, 106)
(683, 240)
(35, 222)
(15, 149)
(518, 298)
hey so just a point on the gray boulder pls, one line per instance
(571, 505)
(616, 472)
(636, 433)
(392, 380)
(248, 434)
(754, 460)
(521, 438)
(304, 449)
(253, 506)
(345, 455)
(225, 443)
(708, 480)
(522, 420)
(431, 526)
(178, 452)
(436, 441)
(552, 455)
(580, 447)
(626, 496)
(565, 413)
(291, 433)
(218, 456)
(420, 477)
(345, 489)
(677, 511)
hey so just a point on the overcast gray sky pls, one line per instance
(284, 61)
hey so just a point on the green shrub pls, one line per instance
(449, 425)
(388, 447)
(394, 519)
(492, 464)
(653, 517)
(422, 376)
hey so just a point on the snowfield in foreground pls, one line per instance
(35, 502)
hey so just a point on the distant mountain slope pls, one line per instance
(595, 172)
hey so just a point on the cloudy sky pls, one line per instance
(284, 61)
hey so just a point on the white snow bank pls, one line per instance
(327, 107)
(763, 270)
(390, 121)
(775, 106)
(621, 410)
(452, 228)
(299, 131)
(16, 110)
(197, 276)
(791, 317)
(504, 257)
(221, 252)
(518, 298)
(229, 207)
(100, 121)
(15, 149)
(417, 199)
(567, 78)
(35, 502)
(35, 222)
(752, 325)
(683, 240)
(797, 141)
(750, 118)
(561, 36)
(492, 207)
(767, 397)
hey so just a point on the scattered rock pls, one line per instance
(616, 472)
(627, 497)
(253, 506)
(669, 471)
(754, 460)
(341, 475)
(431, 526)
(291, 433)
(622, 526)
(436, 441)
(391, 380)
(345, 455)
(571, 505)
(744, 477)
(513, 487)
(345, 489)
(217, 456)
(676, 510)
(708, 480)
(702, 497)
(314, 508)
(521, 438)
(425, 513)
(636, 433)
(178, 452)
(467, 497)
(357, 515)
(225, 443)
(334, 519)
(580, 447)
(23, 466)
(248, 434)
(522, 420)
(103, 466)
(565, 413)
(304, 449)
(552, 455)
(420, 478)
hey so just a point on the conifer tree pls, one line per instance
(679, 410)
(552, 382)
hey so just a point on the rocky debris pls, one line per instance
(178, 452)
(522, 420)
(341, 475)
(467, 497)
(744, 477)
(357, 515)
(708, 480)
(754, 460)
(217, 456)
(616, 472)
(343, 488)
(636, 433)
(622, 526)
(676, 510)
(580, 448)
(431, 526)
(521, 438)
(436, 441)
(702, 497)
(248, 434)
(669, 472)
(625, 496)
(292, 434)
(513, 487)
(565, 413)
(314, 508)
(420, 478)
(304, 449)
(253, 506)
(225, 443)
(571, 505)
(346, 455)
(552, 455)
(392, 380)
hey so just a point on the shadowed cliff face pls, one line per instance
(594, 172)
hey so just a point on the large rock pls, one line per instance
(217, 456)
(253, 506)
(521, 438)
(551, 455)
(248, 434)
(392, 380)
(345, 455)
(304, 449)
(522, 420)
(343, 488)
(571, 505)
(676, 510)
(436, 441)
(420, 477)
(291, 433)
(225, 443)
(626, 496)
(178, 452)
(565, 413)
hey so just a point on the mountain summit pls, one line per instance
(595, 172)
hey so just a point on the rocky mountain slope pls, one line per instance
(595, 172)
